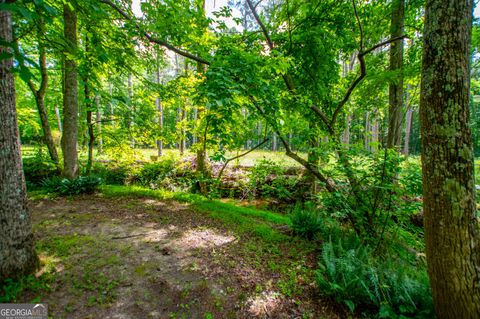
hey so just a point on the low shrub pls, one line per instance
(151, 174)
(38, 167)
(77, 186)
(113, 173)
(269, 179)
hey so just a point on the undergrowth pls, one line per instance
(358, 276)
(77, 186)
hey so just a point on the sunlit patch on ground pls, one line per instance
(155, 236)
(263, 304)
(205, 238)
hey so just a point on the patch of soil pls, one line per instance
(143, 258)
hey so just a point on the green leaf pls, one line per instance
(25, 74)
(350, 305)
(5, 55)
(386, 311)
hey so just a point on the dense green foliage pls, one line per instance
(77, 186)
(307, 82)
(356, 275)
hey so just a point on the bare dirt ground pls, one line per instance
(143, 258)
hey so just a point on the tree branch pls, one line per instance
(323, 117)
(363, 67)
(260, 24)
(152, 39)
(286, 77)
(360, 27)
(238, 156)
(381, 44)
(288, 151)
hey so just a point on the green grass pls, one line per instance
(242, 219)
(252, 158)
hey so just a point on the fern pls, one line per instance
(350, 273)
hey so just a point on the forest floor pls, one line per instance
(118, 256)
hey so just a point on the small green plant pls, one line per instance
(77, 186)
(306, 223)
(12, 289)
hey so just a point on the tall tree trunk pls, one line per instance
(201, 151)
(98, 119)
(181, 143)
(131, 111)
(375, 135)
(408, 130)
(195, 119)
(451, 229)
(274, 142)
(17, 247)
(368, 132)
(91, 135)
(159, 109)
(110, 104)
(395, 96)
(70, 96)
(313, 158)
(408, 124)
(346, 131)
(59, 119)
(202, 171)
(39, 93)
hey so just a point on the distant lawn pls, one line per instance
(146, 154)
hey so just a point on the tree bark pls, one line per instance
(202, 140)
(201, 150)
(70, 97)
(131, 111)
(159, 109)
(395, 97)
(182, 142)
(17, 247)
(59, 119)
(39, 93)
(451, 228)
(110, 104)
(368, 132)
(375, 133)
(99, 124)
(346, 131)
(408, 124)
(91, 134)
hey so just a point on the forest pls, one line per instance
(240, 158)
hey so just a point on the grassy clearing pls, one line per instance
(266, 249)
(85, 272)
(242, 219)
(146, 154)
